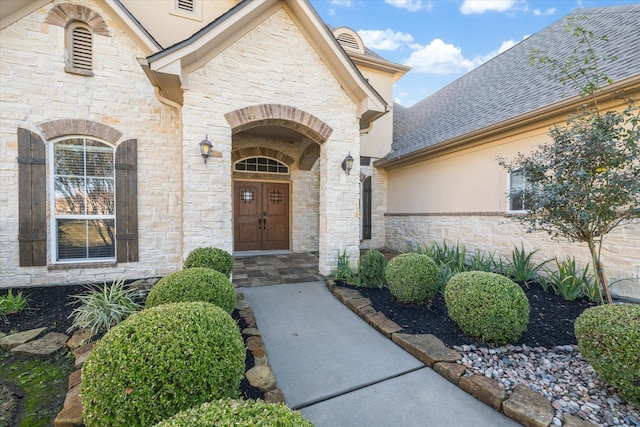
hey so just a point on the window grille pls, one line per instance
(517, 191)
(261, 164)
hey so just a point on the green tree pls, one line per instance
(587, 181)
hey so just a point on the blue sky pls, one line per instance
(443, 39)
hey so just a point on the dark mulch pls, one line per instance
(551, 318)
(49, 307)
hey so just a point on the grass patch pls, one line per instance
(44, 385)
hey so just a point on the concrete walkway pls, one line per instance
(339, 371)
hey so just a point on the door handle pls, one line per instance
(259, 223)
(264, 223)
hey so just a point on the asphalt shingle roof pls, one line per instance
(508, 86)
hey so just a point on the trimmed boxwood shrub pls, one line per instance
(609, 339)
(412, 278)
(372, 267)
(487, 306)
(194, 284)
(210, 257)
(234, 413)
(161, 361)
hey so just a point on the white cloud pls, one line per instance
(438, 57)
(550, 11)
(343, 3)
(411, 5)
(469, 7)
(384, 40)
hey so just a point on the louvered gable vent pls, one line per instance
(186, 5)
(82, 49)
(347, 41)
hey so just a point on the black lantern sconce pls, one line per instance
(347, 163)
(205, 148)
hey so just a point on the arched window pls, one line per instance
(79, 49)
(83, 204)
(261, 164)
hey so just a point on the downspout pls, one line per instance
(178, 107)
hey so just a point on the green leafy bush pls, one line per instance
(609, 339)
(234, 413)
(102, 307)
(487, 306)
(567, 280)
(522, 268)
(12, 303)
(194, 284)
(343, 271)
(372, 266)
(412, 278)
(210, 257)
(161, 361)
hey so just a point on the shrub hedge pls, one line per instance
(412, 278)
(161, 361)
(372, 267)
(194, 284)
(609, 339)
(234, 413)
(210, 257)
(487, 306)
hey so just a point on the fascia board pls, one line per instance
(11, 14)
(149, 45)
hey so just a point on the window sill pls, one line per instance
(78, 265)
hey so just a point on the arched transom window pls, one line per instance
(262, 165)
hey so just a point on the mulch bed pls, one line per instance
(551, 318)
(49, 307)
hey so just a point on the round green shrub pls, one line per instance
(194, 284)
(412, 278)
(210, 257)
(161, 361)
(234, 413)
(609, 339)
(487, 306)
(372, 267)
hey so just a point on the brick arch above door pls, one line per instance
(243, 153)
(279, 115)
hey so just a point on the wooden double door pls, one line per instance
(261, 215)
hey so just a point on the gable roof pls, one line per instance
(169, 68)
(507, 87)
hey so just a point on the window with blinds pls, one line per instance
(80, 49)
(83, 200)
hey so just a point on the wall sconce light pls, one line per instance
(347, 163)
(205, 148)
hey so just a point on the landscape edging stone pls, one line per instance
(487, 388)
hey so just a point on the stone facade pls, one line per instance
(243, 75)
(37, 93)
(499, 234)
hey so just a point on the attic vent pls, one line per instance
(80, 50)
(186, 5)
(347, 41)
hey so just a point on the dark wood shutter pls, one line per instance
(32, 214)
(366, 209)
(127, 201)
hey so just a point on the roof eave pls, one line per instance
(564, 107)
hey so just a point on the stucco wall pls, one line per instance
(272, 63)
(34, 88)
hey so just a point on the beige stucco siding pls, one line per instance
(460, 196)
(36, 89)
(272, 63)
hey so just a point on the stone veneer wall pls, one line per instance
(496, 233)
(35, 89)
(273, 63)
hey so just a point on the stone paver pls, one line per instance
(529, 408)
(14, 340)
(427, 348)
(46, 346)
